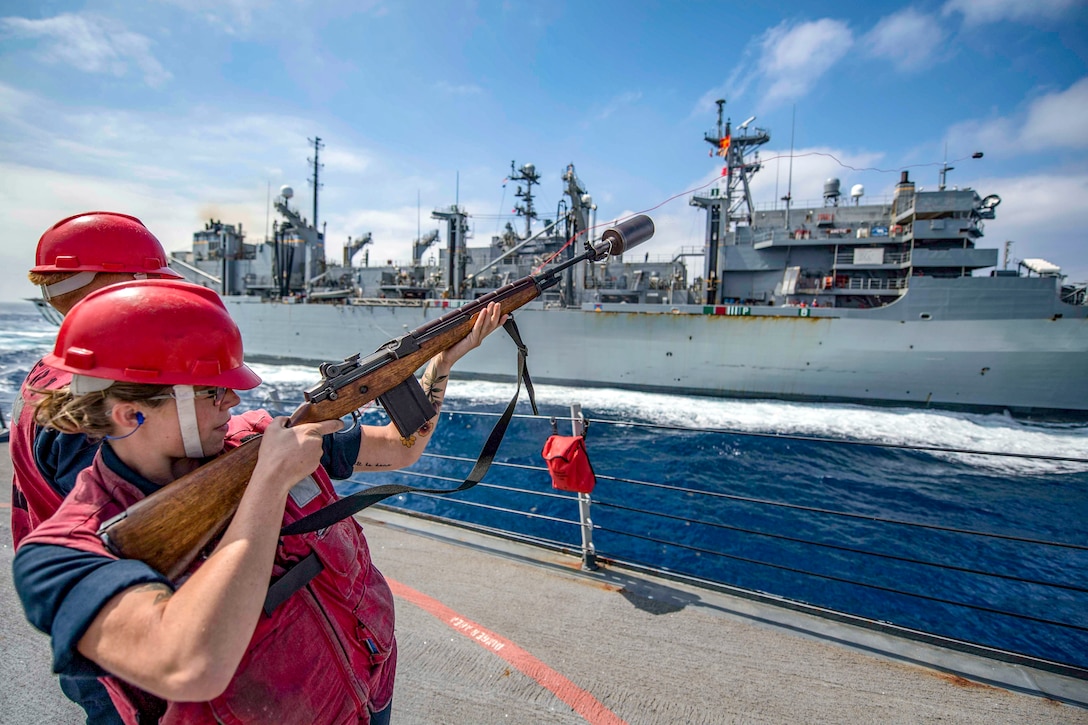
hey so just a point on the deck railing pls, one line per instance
(769, 547)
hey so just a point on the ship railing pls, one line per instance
(787, 548)
(847, 258)
(877, 283)
(388, 302)
(46, 310)
(1075, 294)
(803, 204)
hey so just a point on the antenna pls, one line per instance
(314, 181)
(789, 184)
(267, 209)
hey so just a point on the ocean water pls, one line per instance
(775, 497)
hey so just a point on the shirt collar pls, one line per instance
(115, 464)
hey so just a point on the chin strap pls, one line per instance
(185, 396)
(76, 281)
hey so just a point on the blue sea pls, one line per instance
(787, 499)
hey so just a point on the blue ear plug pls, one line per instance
(139, 421)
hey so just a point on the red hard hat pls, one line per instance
(155, 331)
(101, 241)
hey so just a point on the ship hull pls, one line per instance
(1025, 366)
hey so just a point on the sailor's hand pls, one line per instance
(490, 319)
(288, 455)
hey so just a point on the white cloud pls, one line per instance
(14, 101)
(1040, 215)
(979, 12)
(347, 160)
(794, 57)
(33, 199)
(617, 103)
(232, 17)
(1051, 122)
(257, 18)
(177, 171)
(90, 43)
(908, 38)
(1058, 120)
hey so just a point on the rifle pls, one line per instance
(168, 529)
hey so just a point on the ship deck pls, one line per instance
(494, 631)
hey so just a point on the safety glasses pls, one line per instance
(216, 394)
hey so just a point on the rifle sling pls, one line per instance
(290, 582)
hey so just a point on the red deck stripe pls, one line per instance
(581, 701)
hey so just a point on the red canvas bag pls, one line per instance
(568, 463)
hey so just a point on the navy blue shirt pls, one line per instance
(61, 456)
(63, 589)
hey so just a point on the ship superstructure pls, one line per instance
(291, 266)
(844, 299)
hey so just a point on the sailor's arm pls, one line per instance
(383, 447)
(186, 644)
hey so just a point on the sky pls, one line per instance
(181, 111)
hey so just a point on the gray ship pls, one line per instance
(884, 303)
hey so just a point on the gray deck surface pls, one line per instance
(475, 615)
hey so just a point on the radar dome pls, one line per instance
(857, 191)
(286, 192)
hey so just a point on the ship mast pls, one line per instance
(314, 181)
(724, 213)
(526, 173)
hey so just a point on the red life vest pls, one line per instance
(33, 500)
(322, 655)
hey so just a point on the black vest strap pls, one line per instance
(356, 502)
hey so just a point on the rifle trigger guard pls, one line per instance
(355, 417)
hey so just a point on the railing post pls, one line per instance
(589, 554)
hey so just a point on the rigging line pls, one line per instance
(794, 437)
(844, 441)
(502, 203)
(865, 517)
(562, 546)
(843, 580)
(481, 484)
(500, 509)
(863, 168)
(850, 549)
(745, 499)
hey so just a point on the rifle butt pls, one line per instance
(168, 529)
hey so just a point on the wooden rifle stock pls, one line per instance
(168, 529)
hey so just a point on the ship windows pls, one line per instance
(925, 316)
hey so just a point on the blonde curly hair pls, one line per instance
(89, 414)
